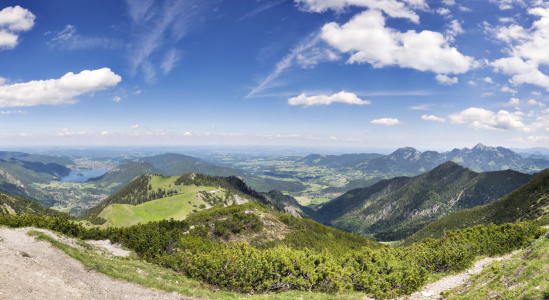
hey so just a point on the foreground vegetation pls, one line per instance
(524, 276)
(219, 247)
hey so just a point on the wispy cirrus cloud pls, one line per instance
(284, 64)
(261, 8)
(158, 27)
(69, 39)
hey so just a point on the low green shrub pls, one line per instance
(383, 272)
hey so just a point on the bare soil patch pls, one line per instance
(32, 269)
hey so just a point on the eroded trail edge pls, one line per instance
(31, 269)
(433, 290)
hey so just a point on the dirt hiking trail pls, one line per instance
(32, 269)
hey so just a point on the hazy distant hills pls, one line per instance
(178, 164)
(17, 177)
(124, 174)
(529, 202)
(396, 208)
(409, 161)
(337, 161)
(44, 159)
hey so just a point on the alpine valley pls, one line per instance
(347, 225)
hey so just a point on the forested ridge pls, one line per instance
(529, 202)
(19, 205)
(394, 209)
(146, 188)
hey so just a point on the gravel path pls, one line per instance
(32, 269)
(432, 290)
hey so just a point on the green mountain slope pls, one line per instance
(529, 202)
(396, 208)
(18, 205)
(156, 197)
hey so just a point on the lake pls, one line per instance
(82, 175)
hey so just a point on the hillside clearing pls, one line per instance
(177, 207)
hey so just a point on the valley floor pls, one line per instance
(32, 269)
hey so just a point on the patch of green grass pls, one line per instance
(177, 207)
(523, 276)
(305, 201)
(62, 209)
(152, 276)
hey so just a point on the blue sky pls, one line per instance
(346, 73)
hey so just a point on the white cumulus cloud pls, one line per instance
(135, 126)
(443, 11)
(480, 118)
(433, 118)
(508, 90)
(57, 91)
(341, 97)
(513, 102)
(527, 49)
(13, 20)
(366, 38)
(393, 8)
(446, 80)
(386, 122)
(507, 4)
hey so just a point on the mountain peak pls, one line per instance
(409, 153)
(480, 147)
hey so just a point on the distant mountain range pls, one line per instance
(395, 208)
(17, 176)
(408, 161)
(39, 158)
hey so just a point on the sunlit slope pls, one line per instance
(396, 208)
(188, 199)
(529, 202)
(154, 197)
(10, 205)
